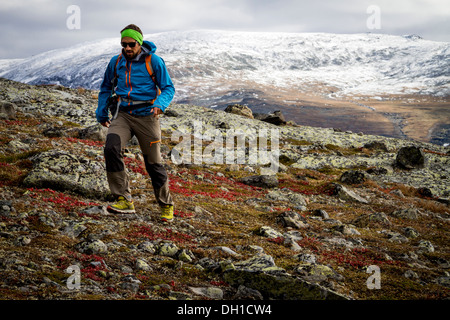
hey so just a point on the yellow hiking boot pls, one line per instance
(167, 213)
(122, 206)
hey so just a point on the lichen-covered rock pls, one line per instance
(262, 181)
(315, 272)
(240, 110)
(292, 219)
(297, 200)
(269, 232)
(62, 171)
(168, 249)
(376, 218)
(142, 265)
(95, 132)
(92, 247)
(260, 273)
(410, 213)
(347, 195)
(7, 110)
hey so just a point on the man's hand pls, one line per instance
(156, 111)
(106, 124)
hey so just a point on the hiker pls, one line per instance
(143, 90)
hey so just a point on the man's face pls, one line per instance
(130, 52)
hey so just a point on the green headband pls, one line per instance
(133, 34)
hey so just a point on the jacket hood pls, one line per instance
(149, 46)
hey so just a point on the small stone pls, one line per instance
(321, 213)
(245, 293)
(347, 195)
(74, 229)
(93, 247)
(96, 210)
(293, 220)
(186, 256)
(353, 177)
(147, 246)
(346, 230)
(227, 250)
(425, 246)
(142, 265)
(306, 257)
(269, 232)
(226, 265)
(133, 287)
(411, 232)
(210, 292)
(376, 145)
(168, 249)
(262, 181)
(259, 263)
(410, 213)
(410, 274)
(126, 269)
(374, 218)
(22, 241)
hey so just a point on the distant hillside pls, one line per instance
(316, 79)
(353, 63)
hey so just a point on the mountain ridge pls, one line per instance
(247, 51)
(391, 85)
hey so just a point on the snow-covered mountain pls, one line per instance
(202, 61)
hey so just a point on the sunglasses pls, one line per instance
(129, 44)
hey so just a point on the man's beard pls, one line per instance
(130, 55)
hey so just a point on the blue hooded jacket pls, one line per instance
(135, 83)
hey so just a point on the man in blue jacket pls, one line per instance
(144, 90)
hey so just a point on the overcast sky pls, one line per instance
(29, 27)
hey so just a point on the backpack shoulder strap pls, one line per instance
(148, 64)
(114, 80)
(115, 67)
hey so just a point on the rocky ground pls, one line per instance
(347, 215)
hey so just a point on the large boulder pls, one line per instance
(410, 158)
(95, 132)
(62, 171)
(240, 110)
(7, 110)
(276, 118)
(261, 273)
(353, 177)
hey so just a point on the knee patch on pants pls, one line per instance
(113, 153)
(157, 173)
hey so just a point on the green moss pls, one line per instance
(21, 156)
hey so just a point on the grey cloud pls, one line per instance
(40, 25)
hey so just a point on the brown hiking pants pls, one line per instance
(148, 132)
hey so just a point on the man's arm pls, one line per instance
(105, 91)
(165, 84)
